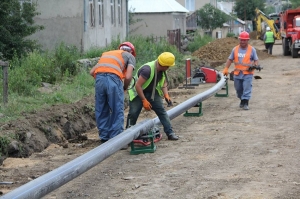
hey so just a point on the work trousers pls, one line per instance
(269, 47)
(109, 105)
(243, 86)
(136, 105)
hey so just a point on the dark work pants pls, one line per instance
(269, 47)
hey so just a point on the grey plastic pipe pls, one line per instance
(186, 105)
(47, 183)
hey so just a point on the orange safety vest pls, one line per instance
(246, 62)
(111, 62)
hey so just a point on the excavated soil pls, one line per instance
(217, 52)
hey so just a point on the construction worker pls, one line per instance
(112, 68)
(243, 56)
(150, 87)
(269, 40)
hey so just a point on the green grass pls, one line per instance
(69, 82)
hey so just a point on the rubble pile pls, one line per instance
(218, 51)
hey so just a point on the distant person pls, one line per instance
(243, 56)
(248, 30)
(151, 86)
(269, 40)
(112, 68)
(277, 23)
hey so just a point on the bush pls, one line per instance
(230, 34)
(198, 42)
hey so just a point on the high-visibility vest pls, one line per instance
(269, 37)
(246, 62)
(133, 93)
(112, 62)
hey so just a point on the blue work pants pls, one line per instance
(109, 105)
(243, 86)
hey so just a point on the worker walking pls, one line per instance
(112, 68)
(150, 87)
(243, 56)
(269, 40)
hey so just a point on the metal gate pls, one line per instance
(174, 37)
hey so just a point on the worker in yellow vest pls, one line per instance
(269, 40)
(151, 86)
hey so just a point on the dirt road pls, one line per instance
(226, 153)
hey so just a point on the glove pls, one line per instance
(168, 100)
(146, 105)
(225, 71)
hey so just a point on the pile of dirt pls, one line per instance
(253, 35)
(217, 51)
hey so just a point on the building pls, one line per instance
(82, 23)
(156, 17)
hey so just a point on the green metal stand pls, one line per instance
(143, 149)
(197, 114)
(223, 94)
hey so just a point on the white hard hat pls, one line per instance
(268, 28)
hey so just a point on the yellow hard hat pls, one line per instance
(166, 59)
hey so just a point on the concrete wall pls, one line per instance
(68, 21)
(157, 24)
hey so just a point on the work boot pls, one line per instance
(246, 107)
(242, 103)
(172, 136)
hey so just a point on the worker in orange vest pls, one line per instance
(243, 56)
(112, 68)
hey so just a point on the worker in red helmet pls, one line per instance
(112, 74)
(243, 56)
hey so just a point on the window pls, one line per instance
(112, 11)
(190, 5)
(297, 22)
(120, 12)
(101, 13)
(92, 13)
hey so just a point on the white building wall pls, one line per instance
(69, 21)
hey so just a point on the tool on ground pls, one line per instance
(145, 140)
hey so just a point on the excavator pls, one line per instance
(262, 17)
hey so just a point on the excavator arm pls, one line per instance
(262, 17)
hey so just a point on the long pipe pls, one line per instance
(186, 105)
(67, 172)
(50, 181)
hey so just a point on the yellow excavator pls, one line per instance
(262, 17)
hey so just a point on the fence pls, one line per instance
(173, 37)
(5, 81)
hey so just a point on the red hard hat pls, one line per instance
(130, 45)
(244, 35)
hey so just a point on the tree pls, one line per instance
(245, 10)
(269, 10)
(295, 3)
(16, 25)
(210, 18)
